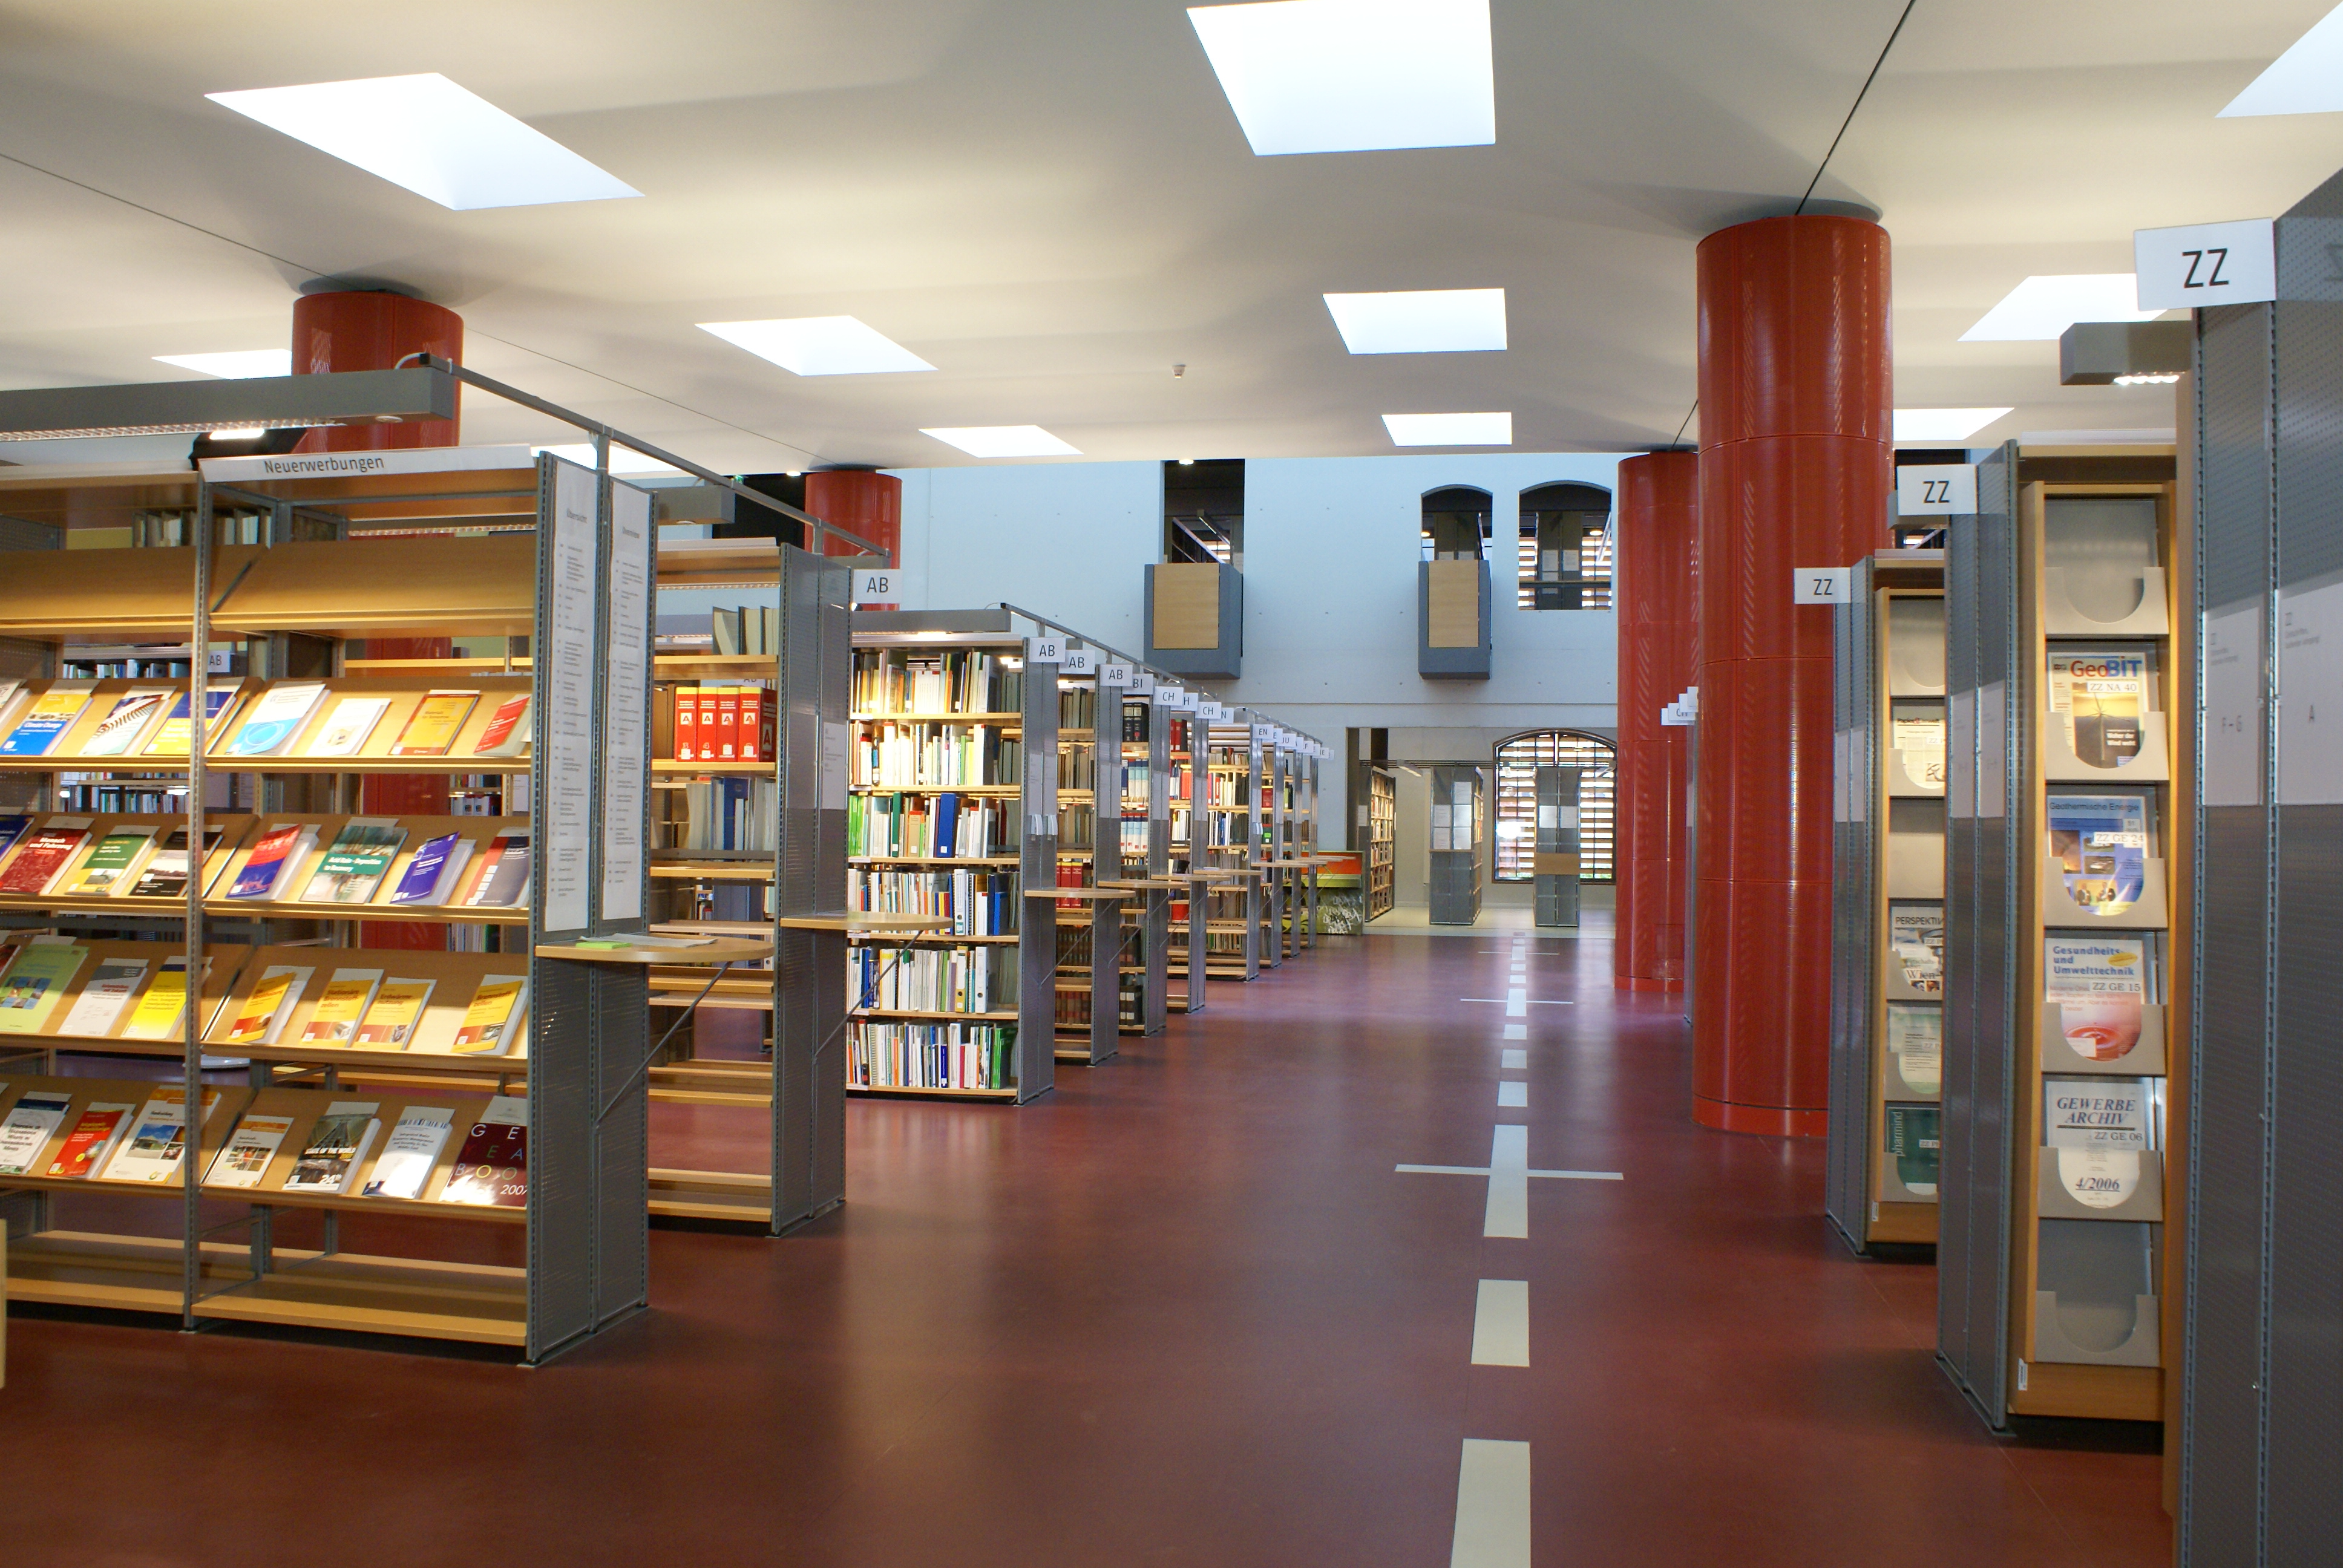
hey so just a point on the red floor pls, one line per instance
(1182, 1311)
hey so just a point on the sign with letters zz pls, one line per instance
(2204, 264)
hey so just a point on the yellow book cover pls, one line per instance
(431, 729)
(251, 1026)
(336, 1019)
(161, 1010)
(488, 1020)
(390, 1022)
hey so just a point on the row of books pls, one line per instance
(252, 858)
(946, 825)
(1914, 1139)
(892, 755)
(932, 980)
(893, 681)
(720, 724)
(1077, 768)
(250, 719)
(978, 903)
(1077, 707)
(145, 1141)
(892, 1055)
(749, 629)
(725, 814)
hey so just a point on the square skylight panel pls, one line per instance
(1353, 76)
(235, 364)
(432, 136)
(2307, 79)
(1450, 429)
(1421, 321)
(2040, 308)
(1943, 424)
(819, 345)
(1002, 441)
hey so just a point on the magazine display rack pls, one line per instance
(2071, 814)
(1887, 903)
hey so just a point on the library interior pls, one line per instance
(1346, 798)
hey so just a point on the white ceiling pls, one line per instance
(1052, 202)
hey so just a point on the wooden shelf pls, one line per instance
(998, 720)
(977, 790)
(712, 871)
(932, 860)
(712, 1195)
(667, 769)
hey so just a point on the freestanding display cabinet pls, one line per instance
(1554, 856)
(1458, 819)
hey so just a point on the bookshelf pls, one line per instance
(1380, 859)
(2070, 811)
(1087, 983)
(512, 1025)
(1143, 989)
(1232, 840)
(1888, 982)
(1187, 807)
(969, 717)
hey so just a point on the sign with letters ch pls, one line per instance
(1937, 490)
(2204, 264)
(1820, 585)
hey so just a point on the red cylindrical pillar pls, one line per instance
(1796, 421)
(1659, 508)
(371, 331)
(862, 502)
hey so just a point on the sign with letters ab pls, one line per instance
(2203, 264)
(874, 587)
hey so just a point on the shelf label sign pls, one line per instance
(1937, 490)
(1044, 649)
(1138, 683)
(1820, 585)
(1167, 697)
(2203, 264)
(1078, 661)
(874, 587)
(1117, 675)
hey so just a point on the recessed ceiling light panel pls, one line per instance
(432, 136)
(819, 345)
(2307, 79)
(1943, 424)
(1353, 76)
(1421, 321)
(1002, 441)
(2040, 308)
(236, 364)
(1450, 429)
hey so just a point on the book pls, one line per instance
(107, 869)
(166, 875)
(171, 736)
(43, 854)
(347, 995)
(2099, 697)
(355, 862)
(25, 1131)
(2095, 1113)
(431, 729)
(103, 997)
(154, 1140)
(273, 720)
(347, 727)
(493, 1017)
(433, 870)
(163, 1007)
(94, 1135)
(245, 1158)
(45, 720)
(492, 1169)
(1917, 729)
(1916, 944)
(2101, 843)
(2100, 985)
(271, 861)
(35, 982)
(502, 880)
(126, 722)
(409, 1153)
(508, 733)
(338, 1140)
(1916, 1035)
(268, 1006)
(390, 1019)
(12, 827)
(1916, 1142)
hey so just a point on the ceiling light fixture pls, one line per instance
(1943, 424)
(2149, 378)
(241, 432)
(433, 137)
(1353, 76)
(1450, 429)
(2307, 79)
(236, 364)
(2041, 309)
(1421, 321)
(1002, 441)
(819, 345)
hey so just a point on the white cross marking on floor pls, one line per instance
(1508, 1173)
(1517, 1031)
(1501, 1324)
(1493, 1506)
(1511, 1092)
(1516, 1058)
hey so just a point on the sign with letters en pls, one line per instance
(1937, 490)
(1820, 585)
(1078, 661)
(1044, 649)
(2204, 264)
(875, 587)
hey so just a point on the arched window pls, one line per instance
(1455, 524)
(1518, 760)
(1566, 550)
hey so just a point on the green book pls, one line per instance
(854, 825)
(1916, 1142)
(112, 860)
(356, 862)
(35, 983)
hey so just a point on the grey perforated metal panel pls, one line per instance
(561, 1190)
(1853, 960)
(1037, 954)
(619, 1003)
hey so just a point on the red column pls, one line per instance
(1796, 452)
(1659, 508)
(862, 502)
(373, 331)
